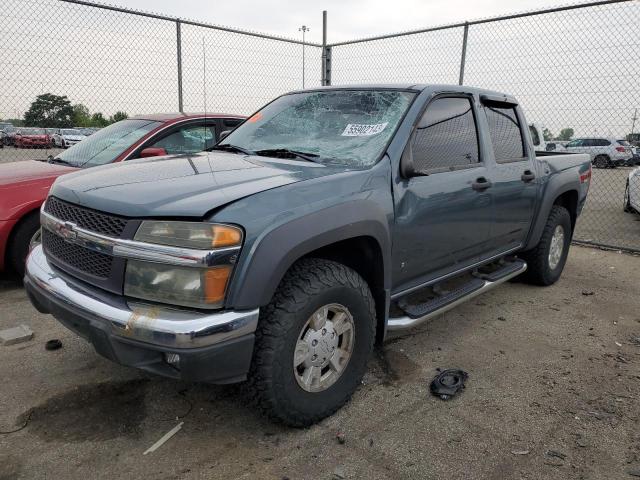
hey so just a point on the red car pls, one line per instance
(31, 138)
(24, 185)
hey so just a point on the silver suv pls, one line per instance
(604, 152)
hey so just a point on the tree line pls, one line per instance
(565, 135)
(56, 111)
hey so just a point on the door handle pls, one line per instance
(481, 184)
(527, 176)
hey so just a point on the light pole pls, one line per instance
(304, 29)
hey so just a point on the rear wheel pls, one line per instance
(601, 161)
(21, 239)
(312, 343)
(546, 261)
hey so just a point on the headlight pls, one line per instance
(198, 287)
(198, 235)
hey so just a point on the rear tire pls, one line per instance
(309, 291)
(546, 261)
(18, 247)
(601, 161)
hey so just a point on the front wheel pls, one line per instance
(546, 261)
(21, 241)
(312, 343)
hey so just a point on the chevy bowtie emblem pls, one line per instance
(66, 230)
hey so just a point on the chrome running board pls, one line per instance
(406, 322)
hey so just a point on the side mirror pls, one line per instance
(224, 133)
(153, 152)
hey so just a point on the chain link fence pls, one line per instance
(574, 69)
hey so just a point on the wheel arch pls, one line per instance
(355, 234)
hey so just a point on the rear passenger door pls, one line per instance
(442, 207)
(515, 186)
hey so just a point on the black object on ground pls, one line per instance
(448, 382)
(54, 344)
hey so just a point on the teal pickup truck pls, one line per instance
(327, 219)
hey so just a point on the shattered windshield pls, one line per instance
(350, 127)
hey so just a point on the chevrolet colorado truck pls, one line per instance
(329, 218)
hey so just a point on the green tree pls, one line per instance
(49, 111)
(548, 136)
(565, 134)
(98, 120)
(116, 117)
(81, 116)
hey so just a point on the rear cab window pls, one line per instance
(506, 133)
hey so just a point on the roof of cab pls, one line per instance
(418, 87)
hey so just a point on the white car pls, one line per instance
(604, 152)
(67, 137)
(632, 192)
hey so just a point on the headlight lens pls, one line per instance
(198, 287)
(197, 235)
(185, 286)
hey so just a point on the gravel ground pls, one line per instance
(553, 393)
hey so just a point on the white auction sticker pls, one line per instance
(361, 130)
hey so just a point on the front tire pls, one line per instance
(20, 242)
(546, 261)
(312, 343)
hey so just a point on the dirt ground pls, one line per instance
(553, 393)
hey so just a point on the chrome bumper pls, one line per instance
(152, 324)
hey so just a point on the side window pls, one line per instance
(446, 137)
(188, 139)
(505, 132)
(603, 142)
(534, 135)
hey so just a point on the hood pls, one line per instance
(74, 137)
(181, 186)
(30, 170)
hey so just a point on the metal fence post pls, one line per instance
(179, 58)
(463, 58)
(325, 78)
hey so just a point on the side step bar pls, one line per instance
(406, 322)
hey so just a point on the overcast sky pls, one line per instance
(348, 19)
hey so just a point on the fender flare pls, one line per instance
(278, 249)
(557, 186)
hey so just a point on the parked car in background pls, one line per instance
(555, 146)
(87, 131)
(24, 185)
(632, 192)
(604, 152)
(51, 132)
(9, 133)
(31, 138)
(326, 220)
(67, 137)
(635, 153)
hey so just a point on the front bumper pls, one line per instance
(212, 347)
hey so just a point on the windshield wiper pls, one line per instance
(227, 147)
(52, 159)
(286, 153)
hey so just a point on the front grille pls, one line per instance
(106, 224)
(87, 261)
